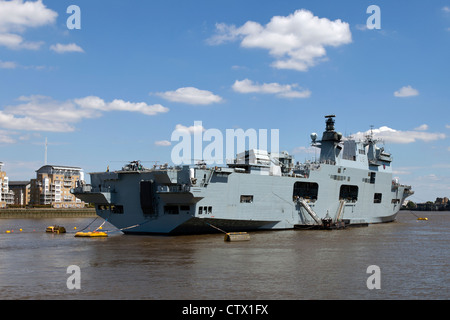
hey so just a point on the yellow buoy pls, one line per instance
(425, 219)
(8, 231)
(91, 234)
(20, 230)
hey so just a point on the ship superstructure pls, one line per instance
(350, 184)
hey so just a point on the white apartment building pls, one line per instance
(6, 195)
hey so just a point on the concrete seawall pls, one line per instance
(46, 213)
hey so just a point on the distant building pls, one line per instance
(52, 186)
(442, 201)
(6, 195)
(21, 191)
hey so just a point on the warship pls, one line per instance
(350, 184)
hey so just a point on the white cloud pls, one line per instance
(163, 143)
(141, 107)
(361, 27)
(191, 130)
(96, 103)
(284, 91)
(41, 113)
(5, 137)
(16, 42)
(191, 95)
(422, 127)
(63, 48)
(406, 91)
(16, 16)
(8, 65)
(296, 42)
(390, 135)
(14, 65)
(306, 150)
(446, 9)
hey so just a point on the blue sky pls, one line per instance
(116, 89)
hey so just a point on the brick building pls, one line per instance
(52, 186)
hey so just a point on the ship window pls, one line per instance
(184, 208)
(171, 210)
(204, 210)
(306, 190)
(377, 198)
(117, 209)
(348, 193)
(246, 199)
(372, 177)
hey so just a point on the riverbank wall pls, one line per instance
(37, 213)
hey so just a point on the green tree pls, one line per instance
(411, 205)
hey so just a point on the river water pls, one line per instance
(412, 256)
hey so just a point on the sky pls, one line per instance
(107, 82)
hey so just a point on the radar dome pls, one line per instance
(314, 136)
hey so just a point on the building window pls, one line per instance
(348, 193)
(306, 190)
(246, 199)
(377, 198)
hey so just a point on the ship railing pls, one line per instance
(332, 162)
(88, 189)
(101, 189)
(173, 189)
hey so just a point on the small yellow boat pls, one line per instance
(91, 234)
(55, 229)
(237, 236)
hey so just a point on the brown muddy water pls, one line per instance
(413, 258)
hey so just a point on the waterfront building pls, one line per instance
(52, 186)
(21, 191)
(6, 195)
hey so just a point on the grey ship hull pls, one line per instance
(272, 205)
(354, 186)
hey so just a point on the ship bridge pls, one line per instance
(336, 150)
